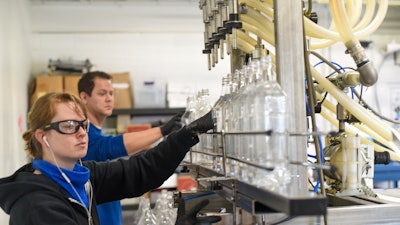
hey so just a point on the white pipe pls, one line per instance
(321, 44)
(331, 36)
(393, 155)
(363, 29)
(244, 42)
(389, 134)
(331, 107)
(368, 15)
(357, 110)
(368, 74)
(259, 19)
(353, 11)
(376, 22)
(258, 32)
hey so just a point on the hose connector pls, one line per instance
(368, 73)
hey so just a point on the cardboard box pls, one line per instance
(122, 90)
(45, 84)
(71, 84)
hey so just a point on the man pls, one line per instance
(96, 92)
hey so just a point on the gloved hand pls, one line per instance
(191, 218)
(173, 124)
(202, 124)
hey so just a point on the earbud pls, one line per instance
(45, 141)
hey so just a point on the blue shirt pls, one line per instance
(103, 148)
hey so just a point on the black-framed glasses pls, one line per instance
(68, 126)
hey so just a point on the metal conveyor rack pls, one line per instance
(257, 200)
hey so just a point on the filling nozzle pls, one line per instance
(234, 21)
(368, 73)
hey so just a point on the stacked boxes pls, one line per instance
(44, 84)
(71, 84)
(122, 90)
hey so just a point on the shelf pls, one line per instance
(256, 200)
(147, 111)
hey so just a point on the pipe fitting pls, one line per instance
(368, 73)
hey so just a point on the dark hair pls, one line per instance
(41, 113)
(86, 83)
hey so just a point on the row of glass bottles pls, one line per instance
(163, 213)
(251, 103)
(196, 107)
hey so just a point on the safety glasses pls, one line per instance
(68, 126)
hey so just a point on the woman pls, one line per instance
(57, 188)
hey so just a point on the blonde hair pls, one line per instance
(41, 113)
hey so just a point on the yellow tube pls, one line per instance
(368, 74)
(358, 111)
(244, 42)
(344, 28)
(259, 6)
(260, 19)
(342, 23)
(249, 20)
(253, 26)
(245, 37)
(331, 107)
(353, 10)
(314, 30)
(379, 148)
(376, 22)
(319, 32)
(269, 2)
(368, 15)
(329, 37)
(258, 32)
(321, 44)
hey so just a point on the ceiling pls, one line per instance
(390, 25)
(103, 1)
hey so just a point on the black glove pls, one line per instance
(173, 124)
(191, 218)
(202, 124)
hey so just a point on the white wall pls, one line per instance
(14, 74)
(149, 39)
(155, 40)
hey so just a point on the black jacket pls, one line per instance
(32, 199)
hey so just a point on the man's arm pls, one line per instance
(137, 141)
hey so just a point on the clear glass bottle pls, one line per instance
(146, 214)
(187, 117)
(203, 106)
(240, 112)
(162, 209)
(229, 121)
(217, 115)
(218, 120)
(238, 115)
(254, 75)
(270, 114)
(196, 157)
